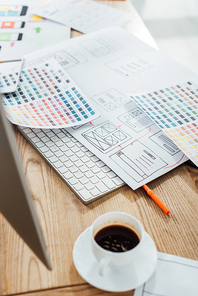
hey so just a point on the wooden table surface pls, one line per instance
(63, 217)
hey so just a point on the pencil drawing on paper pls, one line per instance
(111, 100)
(106, 136)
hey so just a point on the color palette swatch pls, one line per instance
(175, 110)
(47, 97)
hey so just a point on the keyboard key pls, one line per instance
(85, 194)
(53, 159)
(59, 153)
(66, 139)
(40, 134)
(39, 144)
(56, 131)
(111, 174)
(54, 148)
(69, 153)
(70, 144)
(89, 185)
(73, 169)
(102, 187)
(80, 154)
(85, 159)
(78, 174)
(44, 149)
(59, 143)
(35, 139)
(95, 191)
(63, 148)
(48, 154)
(94, 179)
(95, 158)
(75, 149)
(84, 180)
(63, 158)
(54, 138)
(105, 169)
(61, 135)
(74, 140)
(26, 130)
(45, 139)
(90, 164)
(49, 134)
(95, 169)
(58, 164)
(78, 163)
(78, 186)
(68, 163)
(73, 181)
(100, 164)
(79, 144)
(67, 175)
(83, 168)
(73, 158)
(31, 135)
(89, 174)
(118, 181)
(49, 144)
(101, 175)
(63, 170)
(89, 153)
(109, 183)
(84, 149)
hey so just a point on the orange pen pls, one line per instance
(156, 199)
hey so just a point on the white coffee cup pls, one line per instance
(110, 259)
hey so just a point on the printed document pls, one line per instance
(174, 276)
(83, 15)
(106, 65)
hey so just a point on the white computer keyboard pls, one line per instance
(84, 172)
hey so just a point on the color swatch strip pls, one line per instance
(175, 110)
(47, 97)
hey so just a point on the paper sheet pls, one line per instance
(174, 276)
(46, 97)
(107, 65)
(19, 36)
(83, 15)
(175, 110)
(9, 76)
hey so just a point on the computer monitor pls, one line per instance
(15, 200)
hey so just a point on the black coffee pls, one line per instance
(117, 238)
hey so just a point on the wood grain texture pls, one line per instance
(79, 290)
(63, 217)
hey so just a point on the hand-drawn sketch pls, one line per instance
(100, 46)
(165, 142)
(174, 276)
(136, 119)
(124, 138)
(111, 99)
(106, 136)
(67, 58)
(129, 65)
(139, 163)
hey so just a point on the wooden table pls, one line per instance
(63, 217)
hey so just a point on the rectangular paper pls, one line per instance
(107, 65)
(83, 15)
(9, 76)
(174, 276)
(175, 110)
(47, 97)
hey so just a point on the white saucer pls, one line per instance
(116, 280)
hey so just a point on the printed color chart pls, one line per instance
(175, 110)
(46, 97)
